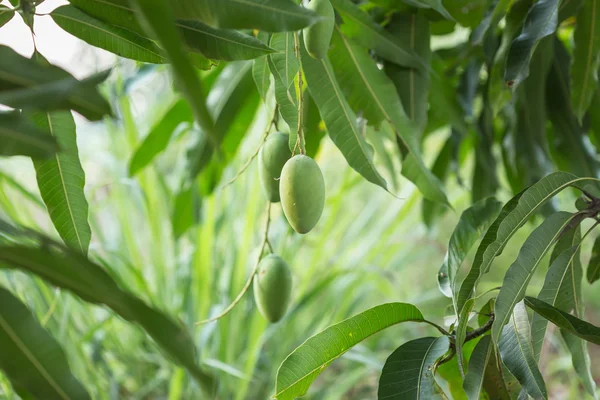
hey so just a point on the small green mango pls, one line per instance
(581, 203)
(272, 287)
(271, 159)
(318, 35)
(302, 192)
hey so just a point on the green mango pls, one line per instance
(302, 192)
(272, 287)
(318, 35)
(271, 159)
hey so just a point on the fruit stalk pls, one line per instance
(300, 137)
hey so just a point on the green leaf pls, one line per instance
(433, 4)
(157, 18)
(265, 15)
(6, 15)
(119, 41)
(61, 180)
(20, 137)
(564, 320)
(412, 84)
(593, 269)
(480, 359)
(31, 358)
(409, 371)
(522, 269)
(339, 118)
(186, 212)
(304, 364)
(311, 121)
(360, 26)
(513, 216)
(27, 84)
(473, 222)
(541, 21)
(481, 32)
(261, 75)
(284, 61)
(461, 333)
(160, 134)
(517, 353)
(586, 57)
(430, 211)
(72, 271)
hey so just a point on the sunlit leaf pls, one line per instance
(304, 364)
(409, 371)
(21, 137)
(31, 358)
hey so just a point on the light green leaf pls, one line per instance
(360, 26)
(517, 353)
(473, 222)
(433, 4)
(593, 269)
(563, 320)
(31, 358)
(480, 359)
(72, 271)
(409, 372)
(339, 118)
(61, 180)
(27, 84)
(586, 57)
(119, 41)
(430, 211)
(160, 134)
(520, 272)
(461, 333)
(265, 15)
(261, 75)
(186, 212)
(285, 62)
(6, 15)
(541, 21)
(20, 137)
(512, 217)
(157, 19)
(304, 364)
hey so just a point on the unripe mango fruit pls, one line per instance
(302, 192)
(272, 287)
(271, 159)
(318, 35)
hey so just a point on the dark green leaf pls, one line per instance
(593, 269)
(61, 180)
(586, 57)
(31, 358)
(160, 134)
(409, 371)
(265, 15)
(304, 364)
(478, 363)
(520, 272)
(119, 41)
(517, 353)
(27, 84)
(541, 21)
(563, 320)
(499, 11)
(21, 137)
(6, 15)
(360, 26)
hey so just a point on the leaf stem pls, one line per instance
(264, 244)
(439, 328)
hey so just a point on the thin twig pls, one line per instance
(262, 142)
(250, 278)
(481, 330)
(439, 328)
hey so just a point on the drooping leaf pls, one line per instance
(514, 215)
(265, 15)
(593, 269)
(261, 75)
(160, 134)
(461, 333)
(304, 364)
(412, 84)
(499, 11)
(61, 180)
(586, 57)
(27, 84)
(360, 26)
(6, 15)
(20, 137)
(157, 19)
(72, 271)
(31, 358)
(520, 272)
(339, 118)
(409, 371)
(517, 353)
(541, 21)
(285, 62)
(473, 222)
(117, 40)
(311, 124)
(564, 320)
(186, 211)
(478, 363)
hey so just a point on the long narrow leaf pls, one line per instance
(21, 137)
(478, 363)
